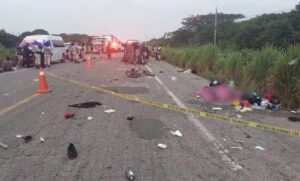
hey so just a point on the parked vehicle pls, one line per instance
(136, 52)
(116, 45)
(97, 44)
(56, 44)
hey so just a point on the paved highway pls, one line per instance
(110, 143)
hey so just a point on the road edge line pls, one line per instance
(203, 130)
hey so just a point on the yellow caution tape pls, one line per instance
(246, 123)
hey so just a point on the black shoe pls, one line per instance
(72, 152)
(27, 138)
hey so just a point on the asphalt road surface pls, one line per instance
(110, 143)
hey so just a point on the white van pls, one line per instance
(56, 43)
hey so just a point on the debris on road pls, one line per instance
(173, 78)
(259, 148)
(89, 118)
(246, 109)
(42, 140)
(27, 138)
(217, 108)
(294, 119)
(146, 72)
(188, 71)
(136, 73)
(256, 106)
(19, 136)
(161, 71)
(238, 141)
(43, 113)
(86, 105)
(296, 112)
(236, 103)
(162, 146)
(110, 111)
(3, 145)
(129, 174)
(133, 73)
(214, 83)
(176, 133)
(236, 147)
(238, 108)
(239, 116)
(130, 118)
(72, 152)
(68, 115)
(248, 136)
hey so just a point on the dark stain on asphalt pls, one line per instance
(129, 90)
(130, 118)
(86, 104)
(147, 129)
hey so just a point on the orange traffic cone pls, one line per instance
(89, 63)
(43, 87)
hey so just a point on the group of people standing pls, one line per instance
(36, 53)
(102, 49)
(42, 54)
(76, 53)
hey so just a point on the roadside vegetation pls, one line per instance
(261, 54)
(4, 52)
(267, 70)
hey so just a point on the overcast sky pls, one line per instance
(127, 19)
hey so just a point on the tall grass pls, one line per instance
(265, 70)
(4, 52)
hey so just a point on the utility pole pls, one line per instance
(216, 20)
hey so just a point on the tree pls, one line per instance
(34, 32)
(279, 30)
(8, 40)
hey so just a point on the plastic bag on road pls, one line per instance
(162, 146)
(176, 133)
(3, 145)
(110, 111)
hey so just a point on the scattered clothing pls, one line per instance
(86, 105)
(68, 115)
(294, 119)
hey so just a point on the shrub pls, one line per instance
(258, 67)
(265, 70)
(4, 52)
(285, 78)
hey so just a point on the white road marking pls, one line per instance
(203, 130)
